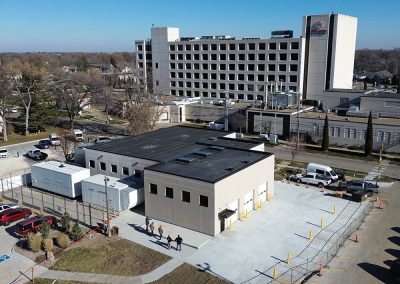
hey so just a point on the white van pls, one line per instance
(3, 153)
(323, 170)
(78, 135)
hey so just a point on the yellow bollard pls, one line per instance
(247, 214)
(260, 204)
(274, 276)
(322, 223)
(256, 205)
(230, 224)
(242, 216)
(334, 209)
(288, 259)
(310, 235)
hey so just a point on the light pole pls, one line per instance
(106, 179)
(226, 111)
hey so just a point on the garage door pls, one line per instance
(262, 192)
(234, 206)
(248, 201)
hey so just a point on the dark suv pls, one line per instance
(33, 224)
(11, 215)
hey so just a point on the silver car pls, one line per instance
(7, 206)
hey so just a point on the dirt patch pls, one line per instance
(187, 273)
(121, 257)
(50, 281)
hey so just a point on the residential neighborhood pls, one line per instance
(174, 151)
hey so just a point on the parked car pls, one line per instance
(360, 185)
(54, 139)
(44, 144)
(395, 269)
(36, 155)
(102, 139)
(3, 153)
(12, 215)
(4, 207)
(322, 170)
(33, 224)
(313, 178)
(78, 135)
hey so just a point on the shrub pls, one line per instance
(45, 230)
(34, 242)
(47, 244)
(76, 233)
(62, 240)
(65, 222)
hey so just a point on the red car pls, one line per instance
(11, 215)
(33, 224)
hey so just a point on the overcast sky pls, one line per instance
(105, 25)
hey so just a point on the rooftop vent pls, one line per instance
(229, 169)
(61, 165)
(185, 159)
(216, 148)
(202, 153)
(213, 138)
(245, 162)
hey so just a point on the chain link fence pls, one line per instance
(84, 213)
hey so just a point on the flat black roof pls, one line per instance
(168, 143)
(219, 163)
(201, 154)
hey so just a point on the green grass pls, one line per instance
(343, 154)
(86, 116)
(121, 257)
(117, 121)
(16, 138)
(194, 125)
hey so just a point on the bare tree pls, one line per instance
(27, 80)
(68, 144)
(293, 147)
(76, 90)
(6, 99)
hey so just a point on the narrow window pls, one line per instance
(125, 171)
(114, 168)
(92, 164)
(203, 201)
(169, 192)
(153, 188)
(185, 196)
(102, 166)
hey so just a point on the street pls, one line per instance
(368, 260)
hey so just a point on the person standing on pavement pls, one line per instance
(160, 231)
(169, 240)
(179, 241)
(147, 223)
(152, 228)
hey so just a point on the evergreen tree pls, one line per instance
(325, 136)
(369, 142)
(76, 233)
(65, 222)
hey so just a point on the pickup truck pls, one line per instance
(313, 178)
(36, 155)
(360, 185)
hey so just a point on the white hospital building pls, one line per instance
(318, 64)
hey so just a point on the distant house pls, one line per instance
(126, 74)
(380, 77)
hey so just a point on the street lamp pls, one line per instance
(106, 179)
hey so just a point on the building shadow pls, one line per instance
(138, 209)
(395, 240)
(396, 229)
(394, 252)
(379, 272)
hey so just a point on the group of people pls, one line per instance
(151, 226)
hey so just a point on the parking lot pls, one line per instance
(249, 252)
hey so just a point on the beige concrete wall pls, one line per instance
(192, 215)
(237, 185)
(189, 215)
(379, 104)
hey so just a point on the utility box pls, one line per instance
(58, 177)
(123, 194)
